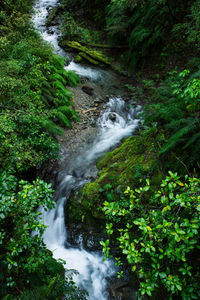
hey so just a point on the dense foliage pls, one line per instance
(33, 93)
(27, 267)
(174, 117)
(155, 226)
(158, 234)
(144, 28)
(34, 105)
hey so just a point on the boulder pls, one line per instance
(112, 117)
(88, 90)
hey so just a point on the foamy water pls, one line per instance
(93, 271)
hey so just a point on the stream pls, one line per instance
(93, 272)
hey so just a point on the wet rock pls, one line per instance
(91, 173)
(52, 17)
(88, 90)
(112, 117)
(125, 293)
(49, 8)
(92, 122)
(115, 86)
(50, 31)
(49, 172)
(122, 289)
(106, 99)
(92, 243)
(74, 236)
(98, 100)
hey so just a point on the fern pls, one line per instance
(57, 77)
(58, 61)
(177, 138)
(51, 127)
(34, 294)
(70, 112)
(72, 78)
(62, 119)
(193, 139)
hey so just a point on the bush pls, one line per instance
(27, 266)
(35, 103)
(159, 236)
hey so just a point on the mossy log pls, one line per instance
(92, 56)
(103, 46)
(88, 58)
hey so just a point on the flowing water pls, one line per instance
(93, 271)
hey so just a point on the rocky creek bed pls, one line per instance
(98, 102)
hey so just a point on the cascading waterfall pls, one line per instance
(93, 271)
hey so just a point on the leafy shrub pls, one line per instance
(28, 268)
(158, 235)
(35, 103)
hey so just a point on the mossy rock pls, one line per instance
(91, 189)
(135, 154)
(128, 165)
(80, 209)
(53, 13)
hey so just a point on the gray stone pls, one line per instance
(92, 122)
(98, 100)
(112, 117)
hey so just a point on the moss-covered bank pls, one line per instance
(126, 166)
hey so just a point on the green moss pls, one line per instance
(94, 54)
(133, 161)
(123, 165)
(88, 58)
(91, 189)
(78, 58)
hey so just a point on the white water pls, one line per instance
(93, 271)
(84, 71)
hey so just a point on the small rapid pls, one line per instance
(115, 123)
(92, 270)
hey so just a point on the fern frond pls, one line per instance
(68, 111)
(192, 140)
(63, 119)
(176, 138)
(51, 127)
(58, 77)
(58, 61)
(72, 78)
